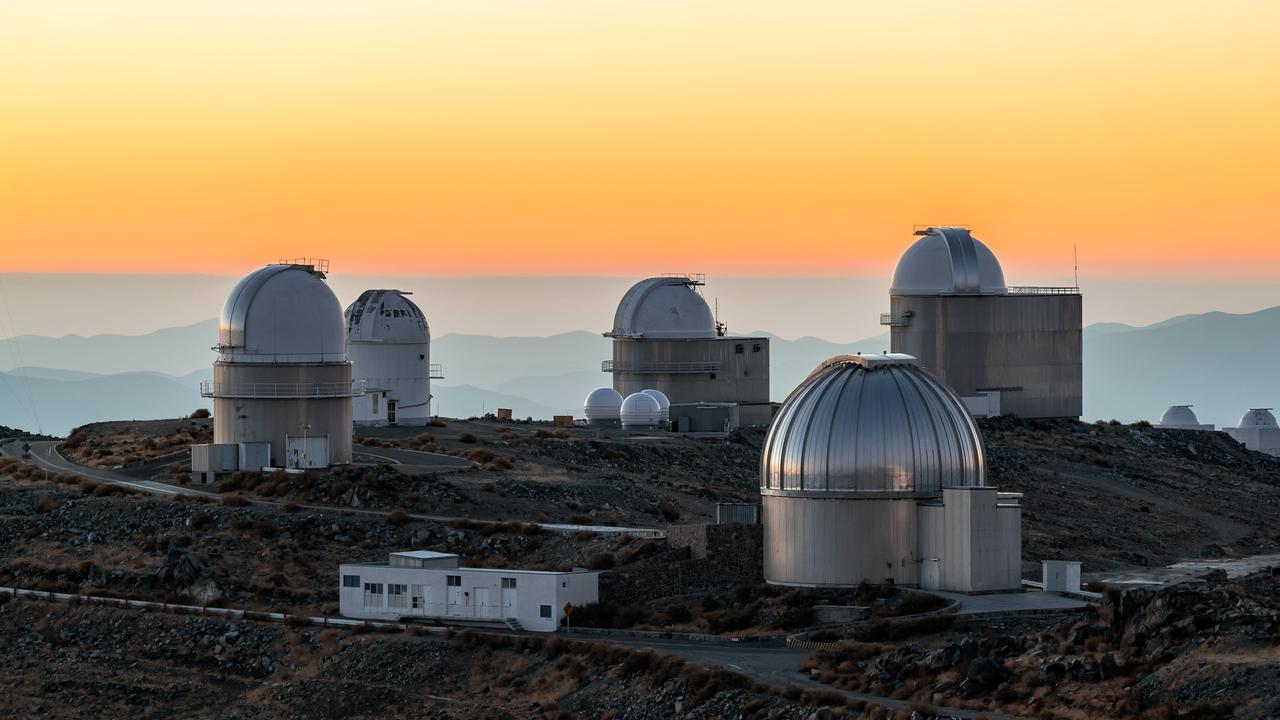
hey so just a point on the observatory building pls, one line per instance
(1181, 417)
(1257, 431)
(873, 471)
(1005, 350)
(389, 342)
(665, 337)
(282, 384)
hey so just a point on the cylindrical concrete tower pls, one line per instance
(282, 374)
(389, 342)
(853, 451)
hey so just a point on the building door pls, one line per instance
(391, 412)
(483, 609)
(307, 452)
(930, 574)
(457, 599)
(508, 597)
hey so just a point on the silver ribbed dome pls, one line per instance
(872, 423)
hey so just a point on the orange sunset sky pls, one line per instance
(487, 137)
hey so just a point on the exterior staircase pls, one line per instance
(514, 625)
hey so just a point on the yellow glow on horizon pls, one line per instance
(505, 137)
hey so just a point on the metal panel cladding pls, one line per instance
(872, 424)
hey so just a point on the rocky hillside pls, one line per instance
(1116, 496)
(1199, 650)
(94, 662)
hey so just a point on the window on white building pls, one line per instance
(350, 581)
(397, 595)
(416, 596)
(375, 403)
(373, 595)
(509, 583)
(453, 580)
(544, 611)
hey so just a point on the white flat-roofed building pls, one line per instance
(431, 585)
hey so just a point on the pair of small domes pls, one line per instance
(643, 409)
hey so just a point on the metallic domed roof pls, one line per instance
(386, 316)
(1258, 417)
(663, 307)
(664, 403)
(1179, 416)
(869, 424)
(282, 313)
(603, 404)
(641, 410)
(948, 261)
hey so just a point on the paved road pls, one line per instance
(45, 454)
(414, 461)
(1010, 602)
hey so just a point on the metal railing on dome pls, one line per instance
(212, 389)
(318, 264)
(1033, 290)
(658, 368)
(692, 278)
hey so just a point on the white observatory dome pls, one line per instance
(663, 307)
(664, 404)
(282, 314)
(872, 424)
(1258, 418)
(1180, 416)
(386, 316)
(640, 410)
(603, 405)
(948, 261)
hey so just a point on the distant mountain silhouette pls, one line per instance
(1219, 362)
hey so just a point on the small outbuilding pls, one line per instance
(422, 584)
(1257, 431)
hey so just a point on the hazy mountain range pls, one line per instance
(1221, 363)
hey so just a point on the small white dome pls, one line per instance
(386, 316)
(663, 307)
(282, 314)
(603, 405)
(1258, 417)
(1179, 416)
(664, 404)
(948, 261)
(641, 411)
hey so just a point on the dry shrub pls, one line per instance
(233, 500)
(264, 529)
(290, 507)
(200, 413)
(398, 517)
(488, 486)
(467, 437)
(200, 520)
(47, 504)
(601, 561)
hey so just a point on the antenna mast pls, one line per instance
(1075, 262)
